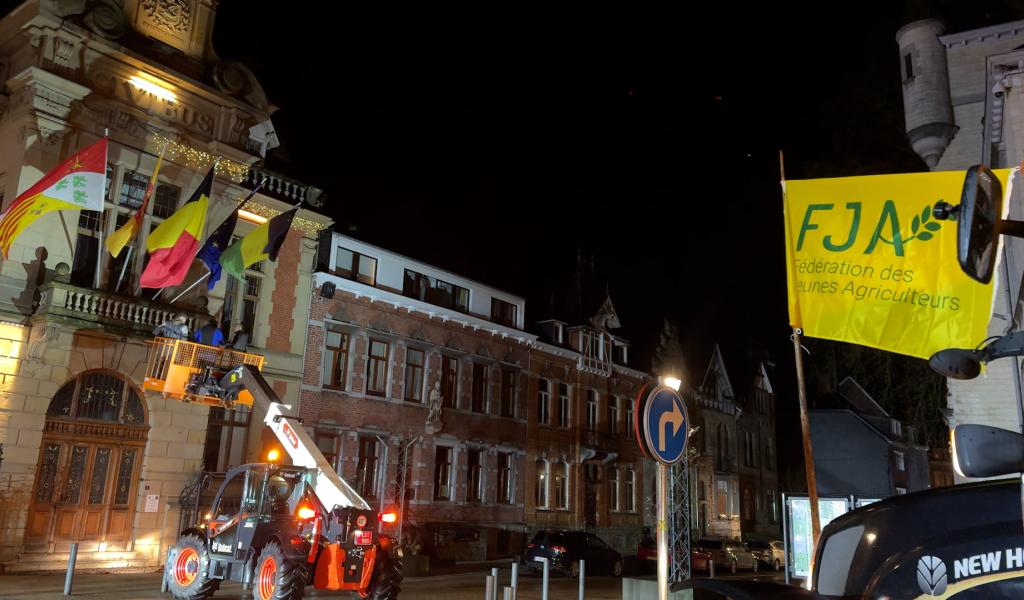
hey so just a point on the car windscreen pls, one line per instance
(710, 544)
(548, 537)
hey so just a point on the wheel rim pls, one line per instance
(186, 567)
(268, 578)
(617, 569)
(574, 569)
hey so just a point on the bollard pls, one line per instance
(544, 581)
(508, 593)
(71, 568)
(163, 580)
(489, 588)
(583, 576)
(515, 578)
(494, 574)
(711, 569)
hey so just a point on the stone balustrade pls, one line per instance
(109, 310)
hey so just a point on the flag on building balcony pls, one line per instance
(125, 233)
(220, 239)
(76, 184)
(173, 245)
(261, 243)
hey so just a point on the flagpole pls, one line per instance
(189, 288)
(124, 267)
(99, 254)
(67, 236)
(805, 423)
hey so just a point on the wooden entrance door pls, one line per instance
(84, 493)
(89, 464)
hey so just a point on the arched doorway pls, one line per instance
(89, 462)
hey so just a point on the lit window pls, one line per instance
(355, 266)
(542, 402)
(542, 483)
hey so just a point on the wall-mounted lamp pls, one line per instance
(153, 88)
(251, 217)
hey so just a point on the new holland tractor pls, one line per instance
(277, 528)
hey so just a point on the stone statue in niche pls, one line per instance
(434, 409)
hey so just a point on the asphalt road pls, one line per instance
(459, 586)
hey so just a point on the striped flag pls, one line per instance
(124, 234)
(173, 245)
(76, 184)
(261, 243)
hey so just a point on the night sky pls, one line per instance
(501, 145)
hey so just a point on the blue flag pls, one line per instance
(215, 244)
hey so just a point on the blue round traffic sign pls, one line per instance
(663, 425)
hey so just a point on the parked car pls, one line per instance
(565, 549)
(728, 554)
(647, 550)
(769, 554)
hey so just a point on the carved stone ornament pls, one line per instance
(107, 19)
(229, 77)
(173, 15)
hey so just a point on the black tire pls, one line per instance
(387, 573)
(276, 577)
(574, 569)
(617, 568)
(187, 569)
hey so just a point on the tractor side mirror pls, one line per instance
(981, 206)
(983, 451)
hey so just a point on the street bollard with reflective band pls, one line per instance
(544, 581)
(489, 588)
(711, 569)
(583, 576)
(71, 568)
(515, 577)
(508, 593)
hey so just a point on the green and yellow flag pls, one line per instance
(261, 243)
(867, 263)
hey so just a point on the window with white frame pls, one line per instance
(541, 483)
(543, 401)
(630, 490)
(506, 477)
(474, 476)
(241, 301)
(591, 410)
(628, 420)
(900, 464)
(377, 368)
(413, 375)
(562, 485)
(564, 414)
(336, 359)
(443, 456)
(613, 489)
(366, 467)
(613, 415)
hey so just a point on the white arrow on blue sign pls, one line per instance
(664, 425)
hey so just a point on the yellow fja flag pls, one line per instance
(867, 263)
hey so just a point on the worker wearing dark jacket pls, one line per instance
(210, 334)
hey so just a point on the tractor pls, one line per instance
(279, 528)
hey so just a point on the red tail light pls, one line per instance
(304, 512)
(531, 545)
(388, 517)
(558, 549)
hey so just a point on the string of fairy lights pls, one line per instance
(199, 160)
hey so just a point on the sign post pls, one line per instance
(662, 431)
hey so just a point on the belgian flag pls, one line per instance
(261, 243)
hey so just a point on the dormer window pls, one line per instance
(437, 292)
(503, 313)
(353, 265)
